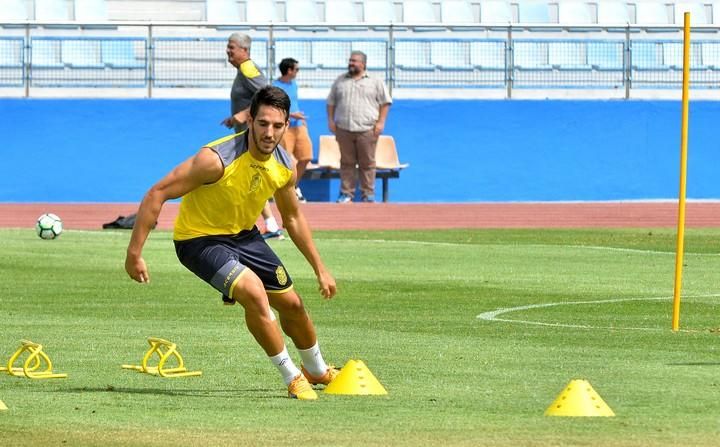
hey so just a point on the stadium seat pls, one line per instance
(52, 10)
(488, 55)
(495, 12)
(568, 55)
(710, 52)
(605, 55)
(260, 11)
(222, 11)
(386, 155)
(413, 55)
(673, 55)
(456, 11)
(647, 55)
(297, 49)
(531, 55)
(81, 53)
(375, 50)
(378, 11)
(340, 11)
(122, 54)
(328, 153)
(450, 55)
(533, 12)
(696, 10)
(91, 11)
(651, 13)
(611, 12)
(45, 53)
(574, 13)
(11, 52)
(331, 54)
(13, 10)
(301, 11)
(419, 11)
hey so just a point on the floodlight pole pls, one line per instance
(683, 175)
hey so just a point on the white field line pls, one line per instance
(580, 247)
(493, 315)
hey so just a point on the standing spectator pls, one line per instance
(357, 108)
(296, 139)
(249, 79)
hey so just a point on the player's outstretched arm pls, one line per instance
(205, 167)
(299, 231)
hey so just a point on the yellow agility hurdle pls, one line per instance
(164, 350)
(32, 363)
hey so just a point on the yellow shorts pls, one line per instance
(297, 142)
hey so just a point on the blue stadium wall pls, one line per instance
(74, 150)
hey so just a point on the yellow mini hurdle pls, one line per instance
(32, 364)
(164, 350)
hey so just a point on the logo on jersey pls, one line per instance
(255, 182)
(281, 275)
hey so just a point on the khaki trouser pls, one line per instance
(357, 153)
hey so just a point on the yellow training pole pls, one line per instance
(683, 175)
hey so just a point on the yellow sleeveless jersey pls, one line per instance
(234, 202)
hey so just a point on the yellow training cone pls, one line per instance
(579, 399)
(355, 378)
(2, 406)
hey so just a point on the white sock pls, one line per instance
(313, 360)
(271, 224)
(285, 365)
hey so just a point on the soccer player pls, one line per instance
(224, 188)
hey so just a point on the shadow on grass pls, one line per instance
(230, 394)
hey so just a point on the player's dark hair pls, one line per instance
(270, 96)
(286, 64)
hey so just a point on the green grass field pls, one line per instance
(408, 307)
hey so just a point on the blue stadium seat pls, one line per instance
(376, 52)
(91, 11)
(651, 13)
(533, 12)
(487, 55)
(710, 52)
(647, 55)
(81, 53)
(122, 54)
(52, 10)
(297, 49)
(605, 55)
(456, 11)
(413, 55)
(495, 12)
(612, 13)
(531, 55)
(450, 55)
(222, 11)
(574, 13)
(568, 55)
(332, 54)
(11, 52)
(672, 53)
(696, 10)
(45, 53)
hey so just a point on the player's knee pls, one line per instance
(289, 305)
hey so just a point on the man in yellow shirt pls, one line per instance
(224, 188)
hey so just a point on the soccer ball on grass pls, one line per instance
(48, 226)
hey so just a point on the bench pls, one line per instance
(387, 163)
